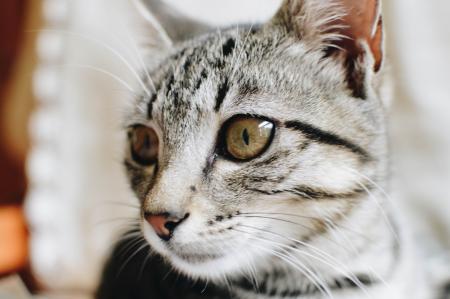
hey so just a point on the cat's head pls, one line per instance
(256, 138)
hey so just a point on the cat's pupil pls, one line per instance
(246, 136)
(146, 142)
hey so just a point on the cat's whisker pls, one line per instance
(355, 251)
(97, 69)
(337, 226)
(297, 266)
(141, 61)
(219, 33)
(119, 90)
(321, 255)
(125, 220)
(274, 218)
(306, 217)
(252, 271)
(105, 46)
(135, 241)
(236, 61)
(205, 287)
(281, 214)
(382, 210)
(383, 192)
(333, 229)
(150, 253)
(308, 273)
(171, 269)
(233, 58)
(334, 263)
(142, 247)
(249, 273)
(131, 235)
(339, 235)
(287, 221)
(118, 203)
(228, 284)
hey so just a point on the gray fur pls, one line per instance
(320, 186)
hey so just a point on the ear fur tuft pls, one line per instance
(348, 30)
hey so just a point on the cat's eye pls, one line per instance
(247, 137)
(144, 145)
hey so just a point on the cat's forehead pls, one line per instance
(234, 71)
(198, 76)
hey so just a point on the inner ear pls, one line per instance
(362, 29)
(361, 22)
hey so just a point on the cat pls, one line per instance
(259, 155)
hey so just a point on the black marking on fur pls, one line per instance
(178, 55)
(170, 83)
(313, 193)
(209, 165)
(221, 93)
(309, 290)
(247, 89)
(228, 47)
(218, 64)
(150, 105)
(356, 76)
(176, 97)
(203, 77)
(356, 81)
(187, 64)
(193, 188)
(321, 136)
(219, 218)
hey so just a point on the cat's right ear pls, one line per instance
(169, 25)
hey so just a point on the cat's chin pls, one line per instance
(207, 267)
(211, 265)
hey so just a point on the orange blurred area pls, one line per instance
(13, 239)
(16, 65)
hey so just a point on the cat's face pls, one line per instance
(251, 140)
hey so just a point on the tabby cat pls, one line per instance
(259, 156)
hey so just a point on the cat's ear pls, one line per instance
(172, 25)
(349, 30)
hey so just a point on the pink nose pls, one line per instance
(164, 224)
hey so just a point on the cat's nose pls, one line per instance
(164, 224)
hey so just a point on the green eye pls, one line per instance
(247, 137)
(144, 145)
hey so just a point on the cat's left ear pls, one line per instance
(349, 30)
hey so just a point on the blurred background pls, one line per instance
(65, 67)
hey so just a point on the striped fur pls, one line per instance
(309, 218)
